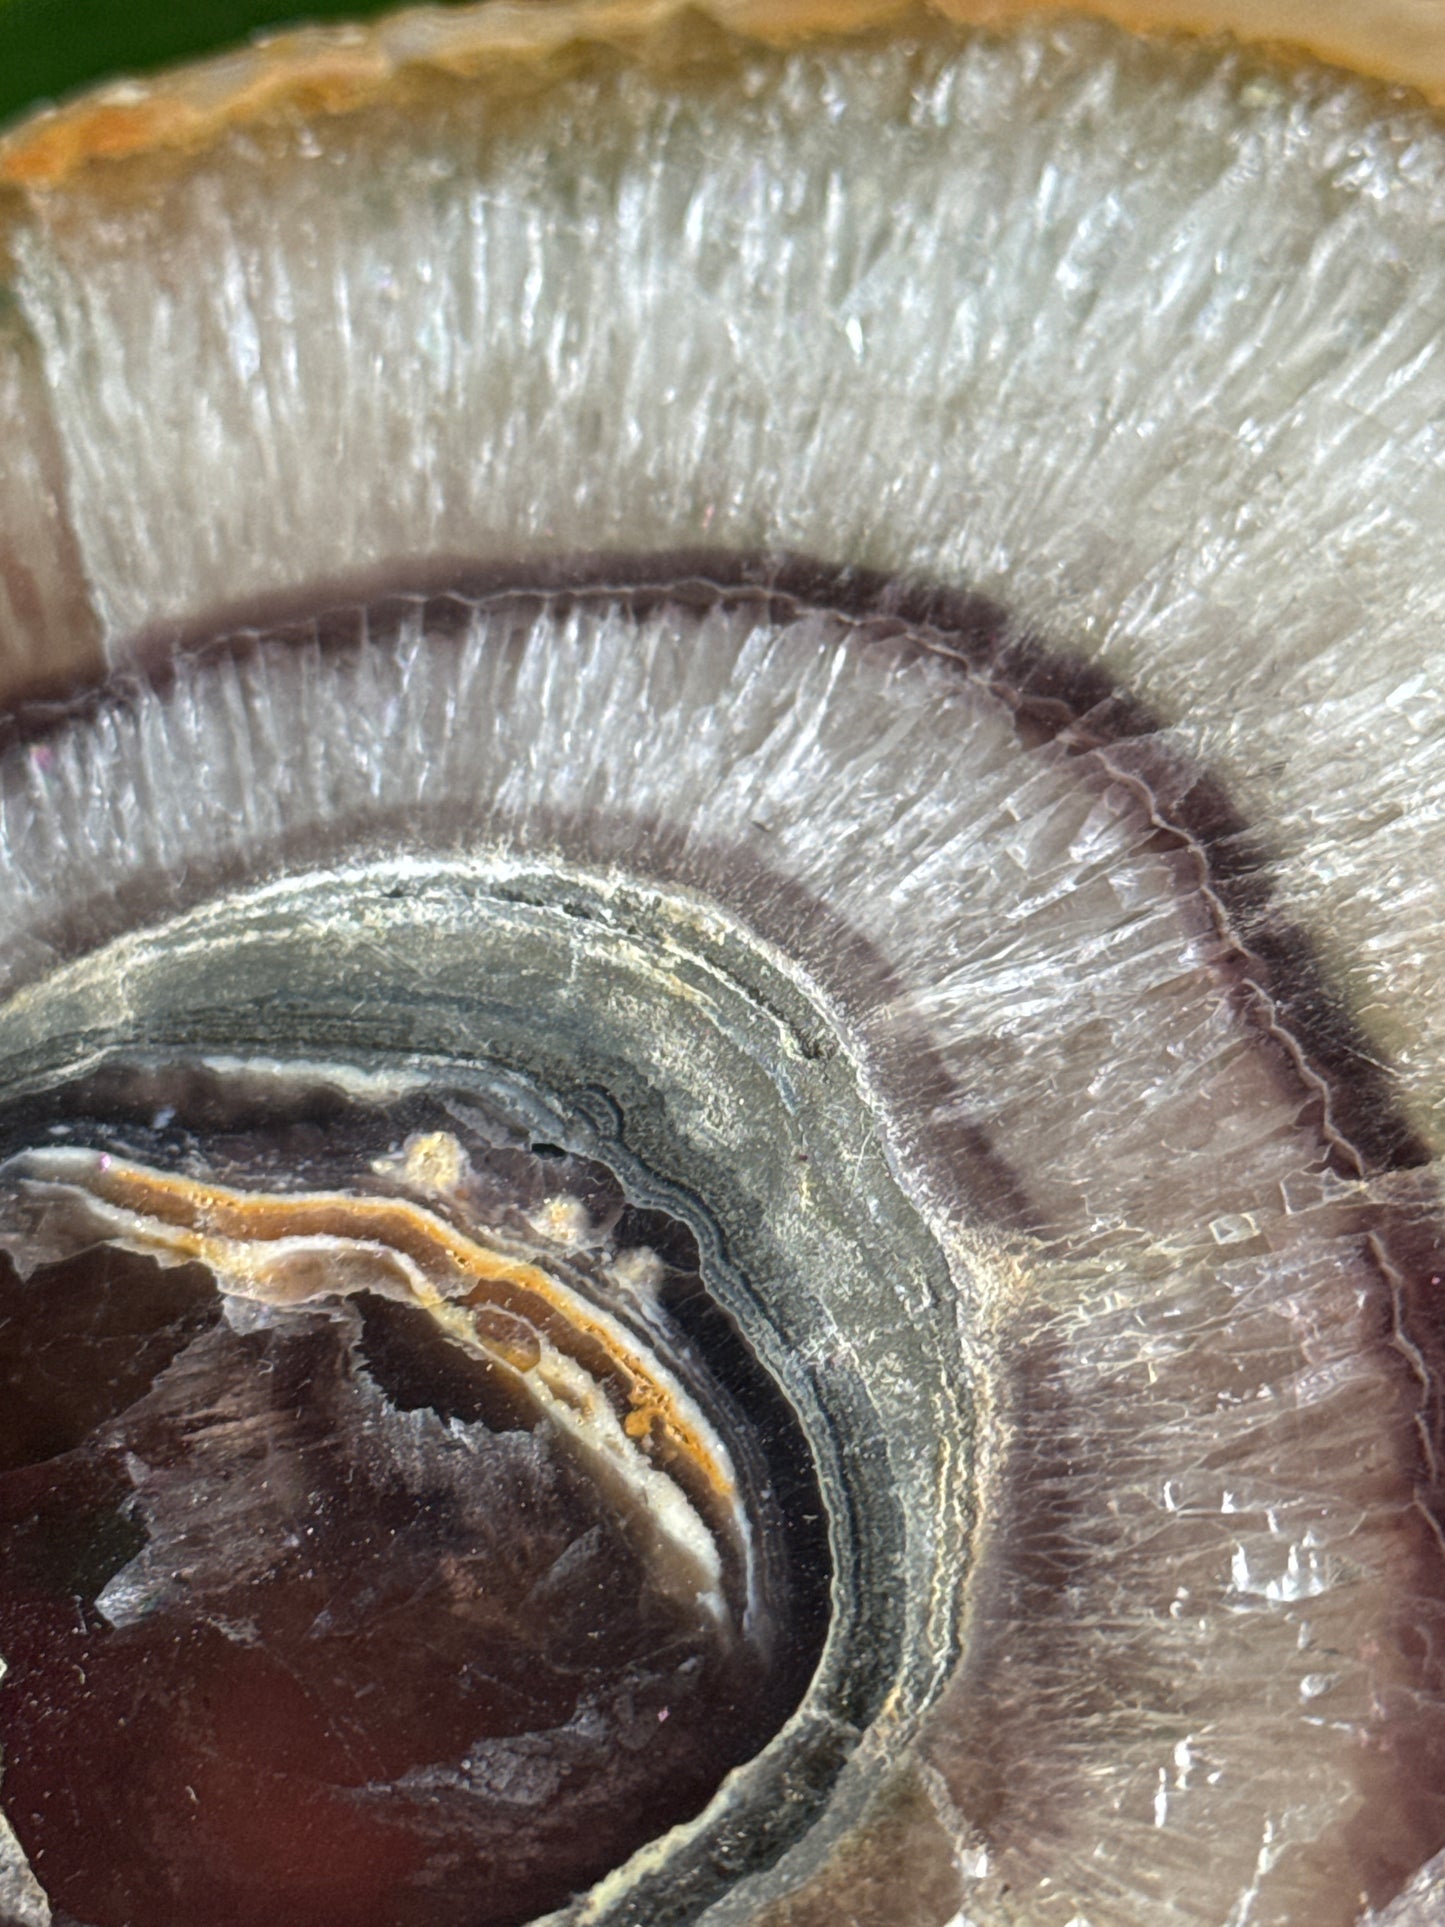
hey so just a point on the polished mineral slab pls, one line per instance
(333, 1584)
(1117, 925)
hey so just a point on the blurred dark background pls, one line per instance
(49, 48)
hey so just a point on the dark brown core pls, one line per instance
(1347, 1108)
(306, 1618)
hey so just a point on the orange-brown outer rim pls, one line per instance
(336, 69)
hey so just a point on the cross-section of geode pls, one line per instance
(1027, 1257)
(895, 1127)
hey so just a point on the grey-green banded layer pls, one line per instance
(1144, 341)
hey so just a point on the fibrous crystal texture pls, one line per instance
(1143, 341)
(870, 306)
(1199, 1588)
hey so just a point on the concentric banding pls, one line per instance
(576, 1634)
(868, 301)
(916, 822)
(586, 1372)
(859, 300)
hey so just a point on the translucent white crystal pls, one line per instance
(1126, 1095)
(1144, 341)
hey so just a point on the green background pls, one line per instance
(51, 47)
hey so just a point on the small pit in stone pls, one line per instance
(308, 1616)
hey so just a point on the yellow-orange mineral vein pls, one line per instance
(643, 1437)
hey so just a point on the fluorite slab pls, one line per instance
(913, 1153)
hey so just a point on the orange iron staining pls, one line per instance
(621, 1410)
(396, 1527)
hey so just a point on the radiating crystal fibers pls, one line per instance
(1197, 1433)
(1144, 341)
(860, 304)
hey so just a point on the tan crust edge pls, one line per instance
(334, 69)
